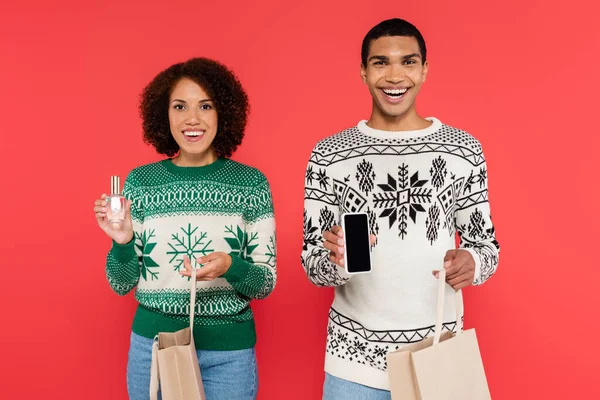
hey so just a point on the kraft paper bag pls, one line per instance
(445, 367)
(175, 361)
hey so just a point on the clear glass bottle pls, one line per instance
(115, 202)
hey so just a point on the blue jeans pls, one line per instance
(341, 389)
(226, 375)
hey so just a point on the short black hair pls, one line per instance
(223, 87)
(392, 27)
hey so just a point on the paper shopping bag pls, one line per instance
(175, 361)
(445, 367)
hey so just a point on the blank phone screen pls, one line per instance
(358, 248)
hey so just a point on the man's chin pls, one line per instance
(394, 112)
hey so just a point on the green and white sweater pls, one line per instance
(177, 211)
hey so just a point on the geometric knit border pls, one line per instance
(385, 149)
(209, 301)
(395, 336)
(318, 195)
(202, 320)
(192, 211)
(472, 200)
(195, 212)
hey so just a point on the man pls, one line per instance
(421, 182)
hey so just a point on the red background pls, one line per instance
(521, 76)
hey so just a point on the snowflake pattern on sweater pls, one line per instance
(420, 189)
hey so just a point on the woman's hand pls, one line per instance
(215, 266)
(122, 233)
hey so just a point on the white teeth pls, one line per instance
(395, 92)
(193, 133)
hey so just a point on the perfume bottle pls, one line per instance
(115, 202)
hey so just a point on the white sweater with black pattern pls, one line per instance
(420, 188)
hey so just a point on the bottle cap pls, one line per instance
(115, 185)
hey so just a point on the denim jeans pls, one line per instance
(341, 389)
(226, 375)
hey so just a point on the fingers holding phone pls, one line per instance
(334, 242)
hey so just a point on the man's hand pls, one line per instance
(215, 265)
(334, 242)
(460, 268)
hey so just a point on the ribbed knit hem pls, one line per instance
(355, 372)
(194, 171)
(477, 260)
(399, 135)
(233, 336)
(123, 253)
(237, 271)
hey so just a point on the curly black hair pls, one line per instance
(223, 87)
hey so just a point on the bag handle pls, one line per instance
(154, 373)
(154, 376)
(193, 299)
(440, 307)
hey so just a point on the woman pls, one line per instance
(196, 208)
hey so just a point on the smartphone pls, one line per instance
(357, 243)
